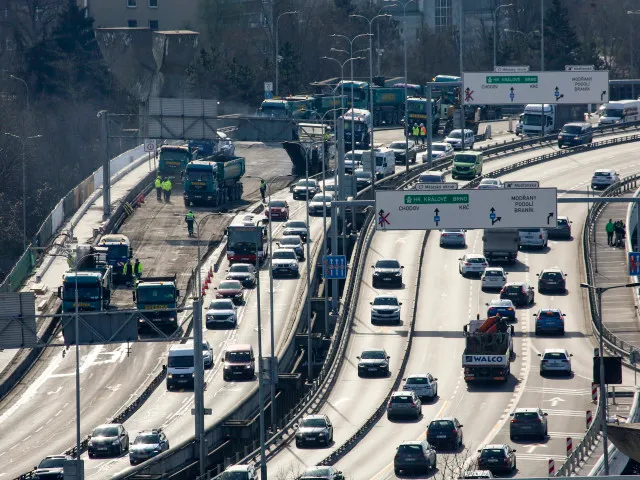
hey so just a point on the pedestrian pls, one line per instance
(416, 132)
(167, 186)
(137, 269)
(610, 228)
(263, 190)
(190, 218)
(127, 270)
(158, 185)
(619, 232)
(423, 133)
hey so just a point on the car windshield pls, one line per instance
(397, 145)
(290, 241)
(277, 204)
(295, 225)
(229, 286)
(385, 301)
(438, 147)
(612, 112)
(492, 453)
(155, 293)
(106, 431)
(306, 183)
(313, 423)
(551, 275)
(238, 357)
(464, 158)
(453, 231)
(572, 129)
(364, 175)
(417, 381)
(322, 198)
(284, 255)
(526, 416)
(351, 156)
(180, 361)
(373, 355)
(234, 476)
(221, 305)
(410, 450)
(52, 463)
(387, 264)
(428, 178)
(455, 134)
(489, 181)
(149, 439)
(441, 425)
(317, 472)
(549, 314)
(555, 356)
(238, 268)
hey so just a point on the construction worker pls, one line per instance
(423, 132)
(137, 269)
(158, 185)
(166, 187)
(127, 270)
(263, 189)
(610, 228)
(190, 218)
(416, 132)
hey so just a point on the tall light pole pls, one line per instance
(293, 12)
(603, 389)
(26, 86)
(23, 141)
(370, 20)
(631, 44)
(495, 31)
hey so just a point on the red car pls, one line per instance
(277, 209)
(231, 289)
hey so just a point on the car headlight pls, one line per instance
(169, 375)
(397, 274)
(115, 442)
(239, 294)
(247, 367)
(322, 434)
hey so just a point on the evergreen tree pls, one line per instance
(561, 43)
(289, 69)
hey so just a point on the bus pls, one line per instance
(246, 238)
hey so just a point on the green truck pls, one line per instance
(388, 102)
(119, 251)
(91, 276)
(302, 107)
(213, 181)
(173, 159)
(417, 113)
(153, 296)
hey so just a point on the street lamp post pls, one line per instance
(631, 44)
(293, 12)
(26, 86)
(495, 31)
(603, 392)
(24, 183)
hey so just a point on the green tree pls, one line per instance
(290, 72)
(561, 44)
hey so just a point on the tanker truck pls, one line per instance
(213, 181)
(488, 350)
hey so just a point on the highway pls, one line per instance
(438, 346)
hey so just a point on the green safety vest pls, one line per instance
(139, 267)
(190, 217)
(416, 131)
(126, 268)
(166, 186)
(158, 183)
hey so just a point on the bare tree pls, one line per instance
(451, 465)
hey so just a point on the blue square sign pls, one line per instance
(334, 267)
(634, 263)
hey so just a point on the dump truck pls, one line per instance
(90, 281)
(153, 294)
(388, 102)
(488, 350)
(501, 244)
(173, 159)
(362, 127)
(213, 181)
(119, 251)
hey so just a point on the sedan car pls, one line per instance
(604, 178)
(445, 433)
(245, 273)
(207, 354)
(398, 149)
(284, 262)
(373, 361)
(453, 238)
(363, 179)
(277, 210)
(110, 439)
(556, 360)
(51, 466)
(549, 320)
(498, 458)
(562, 228)
(321, 202)
(472, 263)
(387, 272)
(414, 456)
(504, 308)
(490, 184)
(221, 312)
(528, 422)
(316, 429)
(294, 243)
(385, 309)
(296, 227)
(520, 293)
(230, 289)
(422, 384)
(493, 278)
(552, 280)
(404, 404)
(147, 445)
(321, 473)
(305, 187)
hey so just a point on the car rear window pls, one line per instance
(441, 425)
(409, 450)
(492, 453)
(513, 289)
(555, 356)
(430, 179)
(529, 230)
(492, 273)
(417, 381)
(549, 314)
(562, 221)
(551, 275)
(526, 416)
(602, 174)
(476, 260)
(401, 399)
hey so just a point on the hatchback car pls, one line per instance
(230, 289)
(498, 458)
(385, 309)
(305, 187)
(552, 280)
(387, 272)
(277, 210)
(147, 445)
(398, 148)
(221, 312)
(472, 263)
(549, 320)
(502, 307)
(414, 457)
(520, 293)
(493, 278)
(284, 262)
(453, 238)
(51, 467)
(528, 422)
(245, 273)
(572, 134)
(445, 433)
(562, 228)
(314, 429)
(296, 227)
(404, 404)
(556, 360)
(422, 384)
(294, 243)
(604, 178)
(373, 361)
(533, 237)
(321, 473)
(110, 439)
(490, 184)
(321, 202)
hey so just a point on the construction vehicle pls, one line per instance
(153, 296)
(417, 113)
(119, 252)
(388, 102)
(90, 281)
(313, 149)
(213, 181)
(173, 159)
(488, 350)
(501, 244)
(362, 124)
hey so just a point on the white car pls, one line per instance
(385, 308)
(604, 178)
(453, 238)
(490, 184)
(222, 312)
(472, 263)
(493, 278)
(555, 360)
(424, 385)
(321, 202)
(441, 150)
(455, 139)
(296, 227)
(284, 262)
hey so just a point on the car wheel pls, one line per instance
(90, 455)
(515, 465)
(396, 471)
(562, 332)
(298, 444)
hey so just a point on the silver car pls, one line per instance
(404, 404)
(424, 385)
(472, 263)
(453, 238)
(556, 360)
(385, 308)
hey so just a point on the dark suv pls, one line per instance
(530, 422)
(387, 272)
(520, 293)
(414, 456)
(499, 458)
(445, 433)
(552, 280)
(573, 134)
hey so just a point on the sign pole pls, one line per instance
(429, 126)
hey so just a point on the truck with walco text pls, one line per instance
(488, 350)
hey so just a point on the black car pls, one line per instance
(245, 273)
(572, 134)
(147, 445)
(562, 228)
(399, 146)
(498, 458)
(373, 362)
(520, 293)
(552, 280)
(110, 440)
(445, 433)
(387, 273)
(51, 467)
(414, 456)
(363, 179)
(528, 422)
(315, 429)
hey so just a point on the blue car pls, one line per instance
(549, 320)
(504, 308)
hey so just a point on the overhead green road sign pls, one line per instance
(512, 79)
(435, 199)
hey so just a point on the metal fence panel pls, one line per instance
(18, 320)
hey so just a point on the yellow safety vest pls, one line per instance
(158, 183)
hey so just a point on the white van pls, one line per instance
(180, 366)
(455, 139)
(533, 237)
(385, 162)
(352, 161)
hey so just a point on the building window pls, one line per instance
(153, 24)
(132, 3)
(443, 13)
(132, 23)
(153, 3)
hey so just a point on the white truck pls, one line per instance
(385, 162)
(620, 112)
(488, 350)
(555, 116)
(501, 244)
